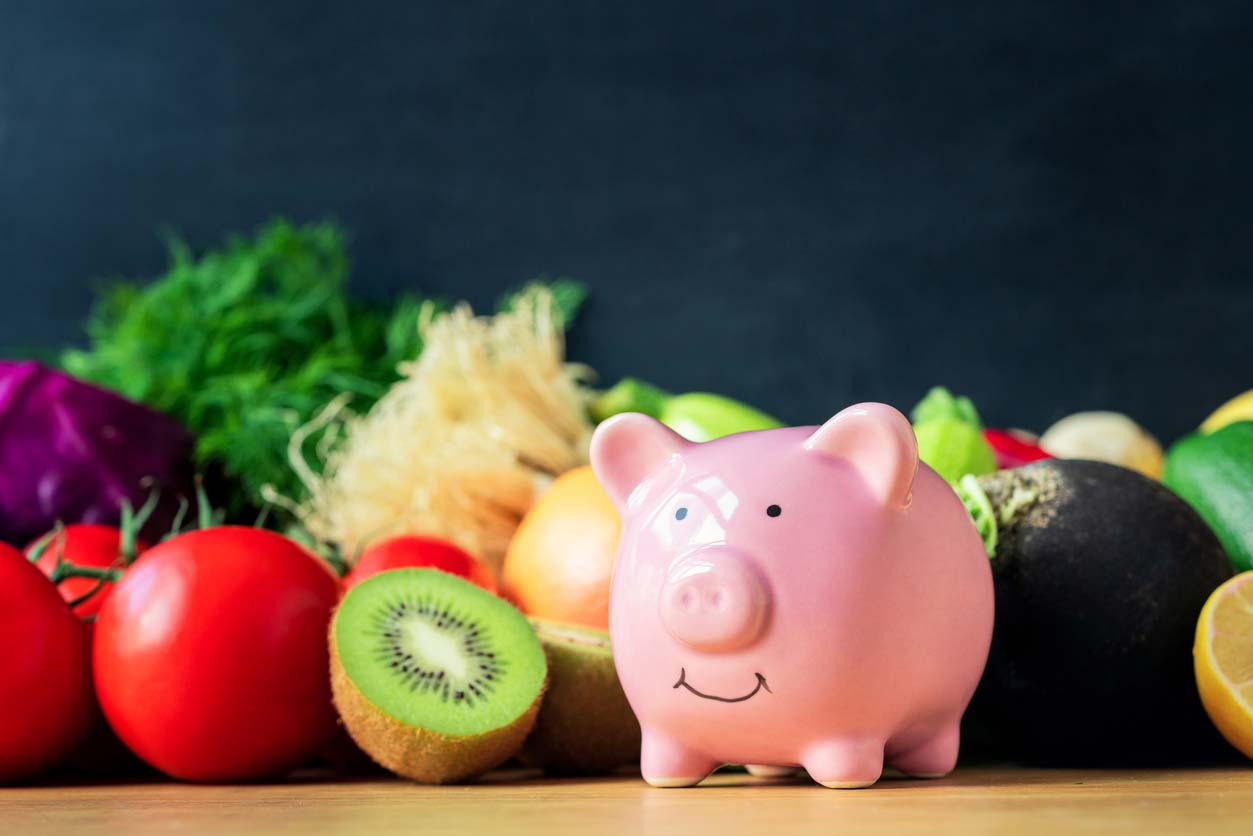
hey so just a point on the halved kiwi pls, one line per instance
(434, 678)
(586, 724)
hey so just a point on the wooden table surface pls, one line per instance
(971, 801)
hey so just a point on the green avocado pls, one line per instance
(1214, 474)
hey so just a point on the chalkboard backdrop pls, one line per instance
(1045, 206)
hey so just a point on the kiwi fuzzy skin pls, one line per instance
(585, 725)
(413, 752)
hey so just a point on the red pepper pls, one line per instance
(1013, 449)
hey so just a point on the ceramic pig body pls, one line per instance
(806, 597)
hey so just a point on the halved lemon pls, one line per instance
(1223, 658)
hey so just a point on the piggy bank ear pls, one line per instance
(879, 442)
(627, 448)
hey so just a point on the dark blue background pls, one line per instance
(1043, 205)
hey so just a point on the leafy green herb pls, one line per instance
(247, 343)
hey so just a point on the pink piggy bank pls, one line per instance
(809, 597)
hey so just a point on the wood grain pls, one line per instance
(972, 801)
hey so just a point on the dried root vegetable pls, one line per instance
(459, 447)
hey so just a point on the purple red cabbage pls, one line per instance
(72, 452)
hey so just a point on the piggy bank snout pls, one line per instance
(714, 600)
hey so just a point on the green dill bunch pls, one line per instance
(245, 344)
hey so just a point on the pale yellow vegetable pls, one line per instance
(460, 446)
(1104, 437)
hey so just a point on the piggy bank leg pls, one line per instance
(667, 763)
(934, 757)
(845, 764)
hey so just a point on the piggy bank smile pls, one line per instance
(761, 686)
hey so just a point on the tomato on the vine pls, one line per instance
(46, 705)
(416, 552)
(211, 657)
(85, 545)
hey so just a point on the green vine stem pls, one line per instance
(66, 570)
(131, 523)
(176, 527)
(40, 546)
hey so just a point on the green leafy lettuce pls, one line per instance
(950, 436)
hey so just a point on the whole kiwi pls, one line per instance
(585, 725)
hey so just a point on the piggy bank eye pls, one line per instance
(774, 511)
(680, 514)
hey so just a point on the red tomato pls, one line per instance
(85, 544)
(211, 657)
(46, 705)
(413, 552)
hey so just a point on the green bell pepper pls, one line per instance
(697, 416)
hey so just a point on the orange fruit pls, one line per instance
(1223, 658)
(560, 559)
